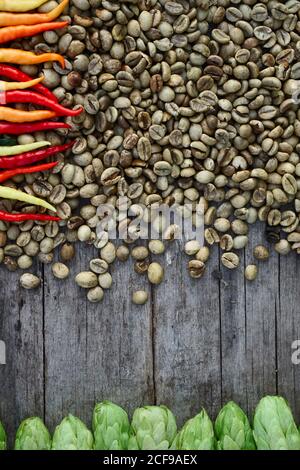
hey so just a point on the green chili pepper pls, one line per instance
(17, 149)
(11, 193)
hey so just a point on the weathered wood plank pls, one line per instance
(102, 351)
(288, 330)
(187, 338)
(21, 328)
(233, 332)
(249, 327)
(261, 319)
(95, 351)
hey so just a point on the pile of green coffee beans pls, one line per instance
(188, 102)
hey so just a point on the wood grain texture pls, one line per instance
(95, 351)
(187, 337)
(288, 331)
(195, 343)
(233, 332)
(21, 328)
(261, 323)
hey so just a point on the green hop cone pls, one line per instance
(274, 427)
(32, 434)
(154, 428)
(72, 434)
(196, 434)
(232, 429)
(111, 427)
(2, 437)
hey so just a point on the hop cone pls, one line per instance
(154, 428)
(2, 437)
(274, 427)
(233, 430)
(111, 427)
(32, 434)
(196, 434)
(72, 434)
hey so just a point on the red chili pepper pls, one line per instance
(17, 129)
(21, 217)
(6, 175)
(15, 74)
(19, 96)
(32, 157)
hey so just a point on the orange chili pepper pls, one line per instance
(11, 33)
(15, 19)
(17, 56)
(17, 115)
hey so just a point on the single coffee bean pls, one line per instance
(251, 272)
(67, 252)
(24, 261)
(29, 281)
(226, 242)
(139, 253)
(230, 260)
(105, 280)
(261, 253)
(122, 253)
(98, 266)
(140, 297)
(282, 247)
(86, 279)
(155, 273)
(156, 247)
(95, 294)
(192, 247)
(196, 268)
(60, 270)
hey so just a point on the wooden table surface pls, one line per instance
(196, 343)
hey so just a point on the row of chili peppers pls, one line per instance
(16, 23)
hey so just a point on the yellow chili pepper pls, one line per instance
(17, 56)
(16, 19)
(17, 149)
(17, 115)
(6, 86)
(11, 193)
(20, 5)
